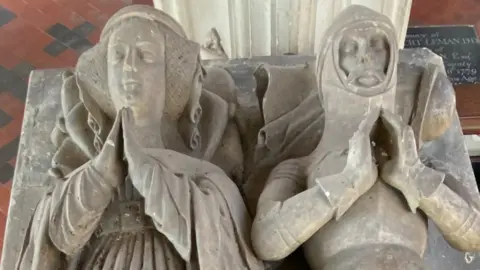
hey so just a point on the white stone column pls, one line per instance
(272, 27)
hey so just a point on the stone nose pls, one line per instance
(130, 62)
(365, 59)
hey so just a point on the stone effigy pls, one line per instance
(391, 155)
(137, 138)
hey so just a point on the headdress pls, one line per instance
(181, 59)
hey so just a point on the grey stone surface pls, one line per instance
(31, 178)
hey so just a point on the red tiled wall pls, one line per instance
(37, 34)
(34, 17)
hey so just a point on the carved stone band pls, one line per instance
(110, 142)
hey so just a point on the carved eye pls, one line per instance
(119, 56)
(377, 43)
(350, 47)
(146, 56)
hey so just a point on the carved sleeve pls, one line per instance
(77, 206)
(458, 221)
(229, 155)
(287, 214)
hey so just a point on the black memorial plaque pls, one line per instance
(458, 45)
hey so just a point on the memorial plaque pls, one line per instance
(457, 45)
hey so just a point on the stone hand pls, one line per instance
(132, 150)
(109, 161)
(360, 171)
(405, 171)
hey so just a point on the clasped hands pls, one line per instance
(403, 169)
(120, 145)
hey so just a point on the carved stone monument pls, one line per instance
(391, 155)
(144, 159)
(349, 158)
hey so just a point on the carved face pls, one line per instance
(364, 57)
(136, 66)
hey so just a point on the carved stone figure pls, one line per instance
(391, 154)
(135, 188)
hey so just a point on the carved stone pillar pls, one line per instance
(271, 27)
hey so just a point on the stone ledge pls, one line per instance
(33, 159)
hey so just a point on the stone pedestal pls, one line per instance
(33, 160)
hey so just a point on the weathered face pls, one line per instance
(136, 66)
(364, 57)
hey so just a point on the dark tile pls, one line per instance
(9, 150)
(6, 16)
(19, 88)
(4, 74)
(6, 173)
(70, 38)
(6, 77)
(23, 69)
(4, 118)
(55, 48)
(84, 29)
(63, 34)
(81, 45)
(58, 31)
